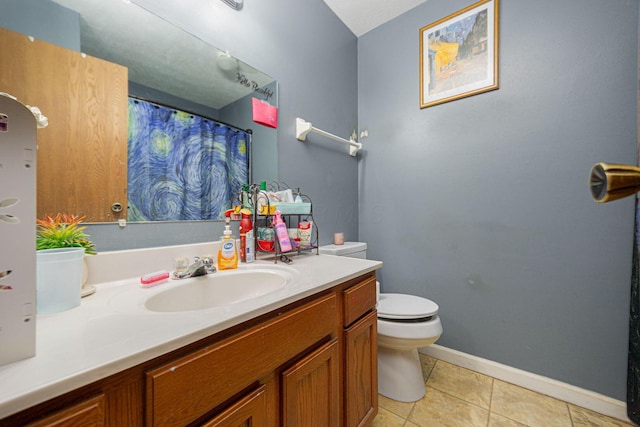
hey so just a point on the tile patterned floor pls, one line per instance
(458, 397)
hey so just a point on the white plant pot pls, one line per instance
(58, 279)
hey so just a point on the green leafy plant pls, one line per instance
(62, 231)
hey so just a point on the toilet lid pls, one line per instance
(401, 306)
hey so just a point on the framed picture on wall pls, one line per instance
(459, 54)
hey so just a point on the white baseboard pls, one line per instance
(550, 387)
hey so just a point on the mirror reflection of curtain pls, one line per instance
(182, 166)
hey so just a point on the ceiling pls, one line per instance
(364, 15)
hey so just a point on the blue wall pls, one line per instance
(482, 204)
(43, 20)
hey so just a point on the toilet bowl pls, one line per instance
(405, 323)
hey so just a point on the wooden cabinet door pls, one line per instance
(89, 413)
(361, 371)
(82, 153)
(311, 389)
(251, 411)
(183, 390)
(358, 300)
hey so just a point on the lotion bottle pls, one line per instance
(227, 254)
(282, 233)
(251, 247)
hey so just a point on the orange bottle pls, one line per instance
(227, 254)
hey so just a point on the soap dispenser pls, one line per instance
(227, 254)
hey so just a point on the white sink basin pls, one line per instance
(218, 289)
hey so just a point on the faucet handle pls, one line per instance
(207, 260)
(181, 266)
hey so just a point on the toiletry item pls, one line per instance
(227, 255)
(298, 198)
(266, 234)
(304, 233)
(153, 279)
(293, 233)
(245, 197)
(262, 203)
(265, 245)
(338, 239)
(265, 240)
(245, 226)
(250, 254)
(281, 233)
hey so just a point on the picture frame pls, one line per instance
(459, 54)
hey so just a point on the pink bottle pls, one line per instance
(281, 232)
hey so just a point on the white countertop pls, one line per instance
(111, 330)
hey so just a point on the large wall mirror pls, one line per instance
(165, 65)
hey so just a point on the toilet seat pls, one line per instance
(403, 308)
(427, 330)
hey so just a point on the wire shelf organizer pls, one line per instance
(292, 213)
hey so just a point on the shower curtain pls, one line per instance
(182, 166)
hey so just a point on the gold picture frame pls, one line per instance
(459, 54)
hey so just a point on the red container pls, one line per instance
(245, 226)
(265, 245)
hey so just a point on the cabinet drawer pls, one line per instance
(184, 390)
(90, 412)
(359, 299)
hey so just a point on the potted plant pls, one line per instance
(61, 244)
(63, 231)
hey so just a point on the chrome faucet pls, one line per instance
(199, 267)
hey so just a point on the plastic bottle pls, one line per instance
(282, 233)
(251, 247)
(227, 254)
(245, 226)
(304, 233)
(245, 199)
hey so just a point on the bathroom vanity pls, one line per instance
(305, 354)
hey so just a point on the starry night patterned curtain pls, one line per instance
(182, 166)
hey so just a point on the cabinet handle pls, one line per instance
(116, 207)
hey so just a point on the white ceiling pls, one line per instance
(364, 15)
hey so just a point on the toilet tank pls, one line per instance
(349, 249)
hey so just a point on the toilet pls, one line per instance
(405, 323)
